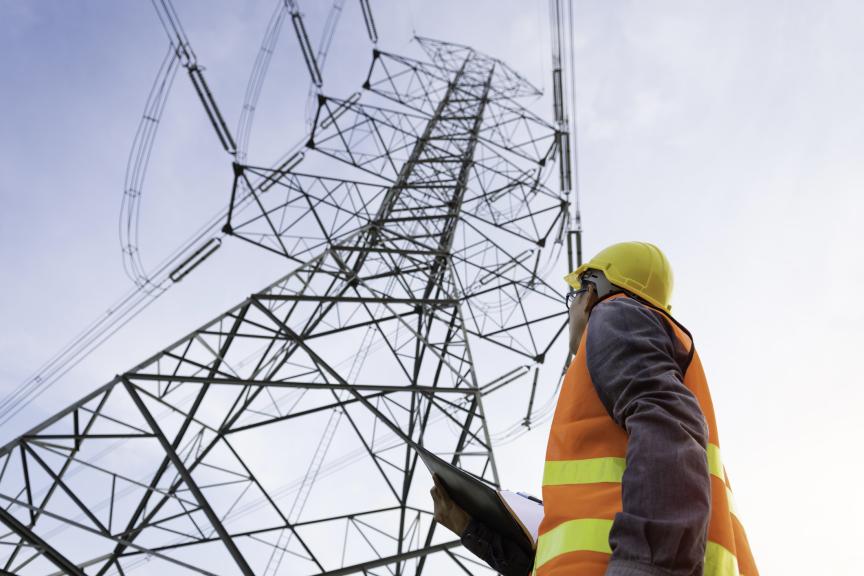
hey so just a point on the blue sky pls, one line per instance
(728, 134)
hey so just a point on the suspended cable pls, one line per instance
(149, 286)
(321, 57)
(180, 42)
(305, 44)
(103, 327)
(369, 21)
(136, 168)
(256, 78)
(126, 308)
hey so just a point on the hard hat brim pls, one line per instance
(573, 278)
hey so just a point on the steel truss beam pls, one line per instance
(26, 534)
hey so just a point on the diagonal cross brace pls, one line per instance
(190, 483)
(51, 553)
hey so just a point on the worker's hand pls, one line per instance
(447, 512)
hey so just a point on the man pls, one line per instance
(633, 483)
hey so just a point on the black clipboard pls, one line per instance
(479, 499)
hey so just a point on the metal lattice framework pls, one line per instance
(417, 222)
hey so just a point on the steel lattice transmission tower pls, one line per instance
(278, 438)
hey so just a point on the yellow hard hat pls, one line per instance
(637, 267)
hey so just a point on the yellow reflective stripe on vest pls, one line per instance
(610, 469)
(589, 534)
(593, 535)
(730, 502)
(715, 468)
(571, 536)
(719, 561)
(589, 471)
(715, 463)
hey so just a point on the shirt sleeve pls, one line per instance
(501, 554)
(637, 364)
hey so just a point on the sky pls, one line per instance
(728, 134)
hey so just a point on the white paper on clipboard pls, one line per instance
(526, 511)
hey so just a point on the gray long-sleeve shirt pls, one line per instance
(637, 366)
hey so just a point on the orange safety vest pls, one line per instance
(585, 461)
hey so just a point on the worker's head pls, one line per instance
(636, 268)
